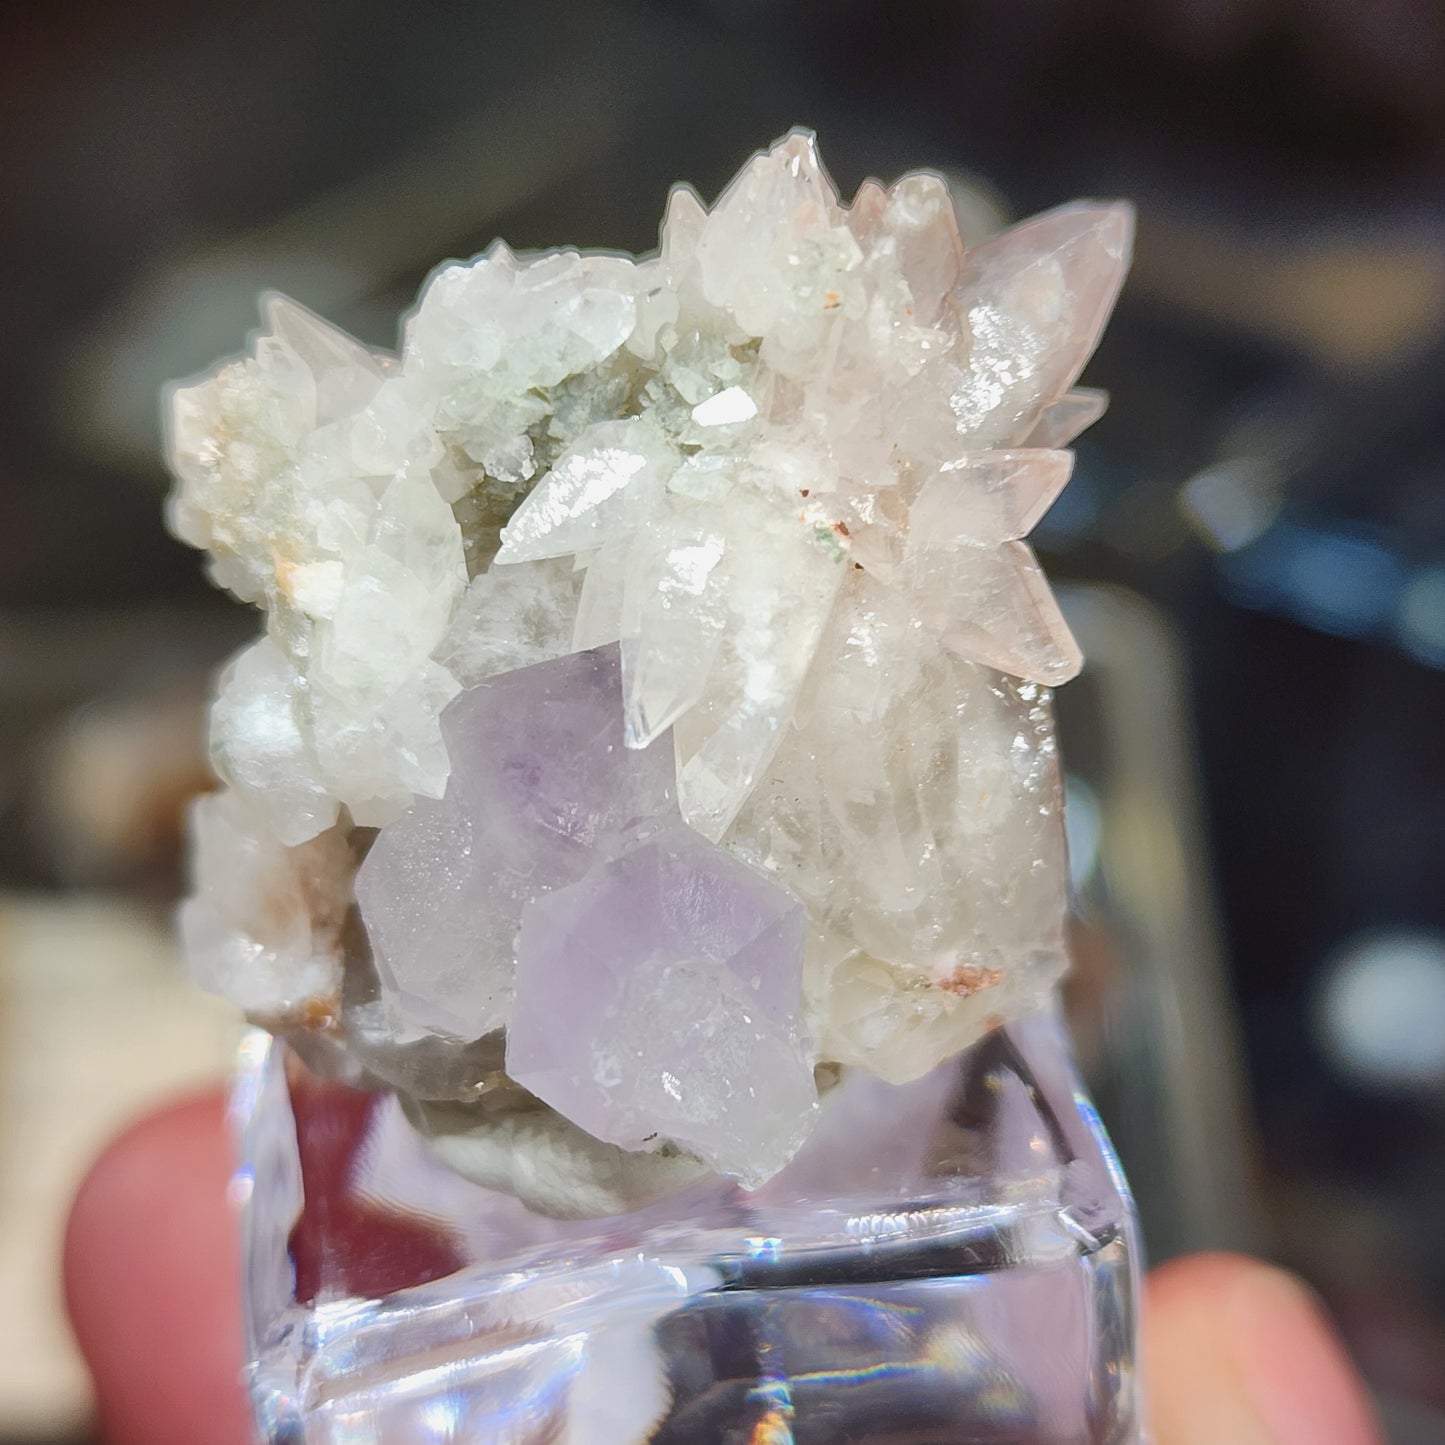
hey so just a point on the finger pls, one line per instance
(1237, 1351)
(152, 1282)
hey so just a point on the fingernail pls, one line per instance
(1291, 1365)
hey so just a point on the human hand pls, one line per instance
(1235, 1352)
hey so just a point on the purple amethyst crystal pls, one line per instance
(659, 999)
(650, 983)
(541, 790)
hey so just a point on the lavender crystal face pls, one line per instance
(645, 784)
(661, 997)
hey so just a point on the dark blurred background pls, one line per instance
(1254, 540)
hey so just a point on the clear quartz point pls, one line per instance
(952, 1261)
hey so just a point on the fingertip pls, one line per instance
(1239, 1350)
(152, 1281)
(1196, 1280)
(178, 1142)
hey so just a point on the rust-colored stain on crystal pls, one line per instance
(320, 1012)
(970, 979)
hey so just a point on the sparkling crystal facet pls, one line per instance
(660, 996)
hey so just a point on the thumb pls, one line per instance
(152, 1280)
(1237, 1351)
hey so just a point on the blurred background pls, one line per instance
(1254, 542)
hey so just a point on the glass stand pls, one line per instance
(949, 1262)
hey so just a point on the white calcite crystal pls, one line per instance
(780, 474)
(265, 925)
(915, 808)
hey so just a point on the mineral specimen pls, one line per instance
(707, 567)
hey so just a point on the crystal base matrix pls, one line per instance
(629, 582)
(948, 1262)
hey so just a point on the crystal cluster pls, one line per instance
(671, 621)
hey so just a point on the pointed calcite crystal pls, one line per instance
(898, 809)
(629, 588)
